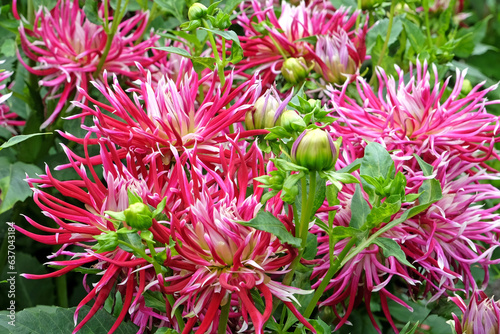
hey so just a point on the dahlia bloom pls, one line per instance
(79, 226)
(68, 48)
(168, 114)
(221, 261)
(455, 232)
(8, 119)
(269, 40)
(442, 242)
(481, 316)
(336, 57)
(417, 117)
(368, 273)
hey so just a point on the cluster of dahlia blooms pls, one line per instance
(69, 50)
(174, 208)
(278, 45)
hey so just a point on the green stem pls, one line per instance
(427, 24)
(177, 314)
(329, 275)
(109, 34)
(387, 37)
(224, 316)
(218, 61)
(307, 210)
(358, 18)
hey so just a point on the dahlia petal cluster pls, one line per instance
(455, 135)
(417, 117)
(68, 48)
(481, 315)
(270, 40)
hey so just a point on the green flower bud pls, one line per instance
(138, 216)
(197, 11)
(292, 121)
(295, 70)
(466, 87)
(315, 150)
(263, 115)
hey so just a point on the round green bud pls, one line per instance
(466, 86)
(295, 70)
(314, 150)
(263, 114)
(292, 121)
(197, 11)
(138, 216)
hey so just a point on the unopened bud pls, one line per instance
(263, 115)
(139, 216)
(295, 70)
(292, 121)
(466, 86)
(315, 150)
(197, 11)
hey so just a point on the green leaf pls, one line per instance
(174, 7)
(332, 195)
(391, 248)
(288, 166)
(13, 188)
(407, 330)
(8, 48)
(91, 9)
(236, 50)
(265, 221)
(290, 189)
(27, 291)
(160, 207)
(351, 167)
(377, 162)
(380, 30)
(175, 50)
(20, 138)
(431, 191)
(360, 209)
(49, 4)
(468, 38)
(116, 215)
(415, 35)
(155, 299)
(311, 247)
(132, 238)
(319, 196)
(230, 5)
(342, 232)
(207, 62)
(379, 214)
(57, 320)
(424, 166)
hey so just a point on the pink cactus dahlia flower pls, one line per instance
(68, 48)
(270, 40)
(221, 261)
(79, 226)
(481, 316)
(417, 117)
(168, 114)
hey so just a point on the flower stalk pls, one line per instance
(386, 42)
